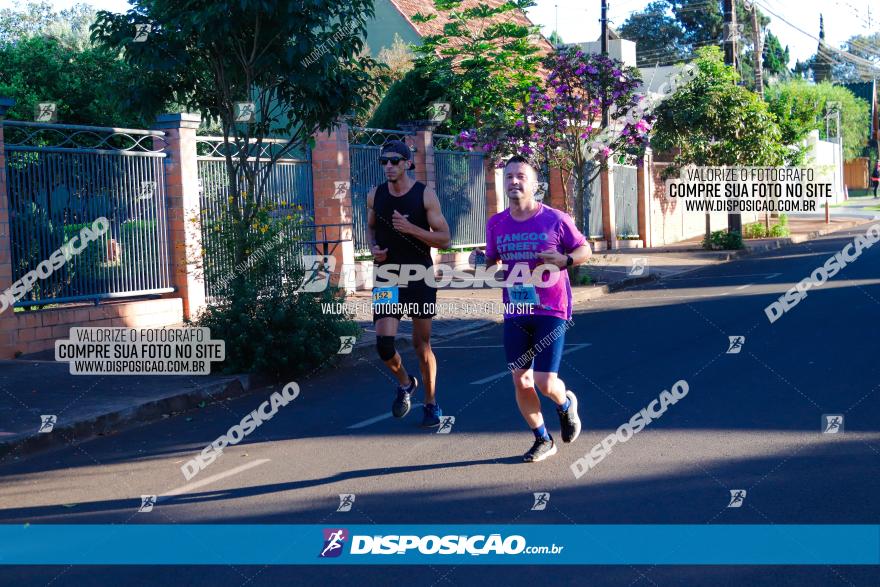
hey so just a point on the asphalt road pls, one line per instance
(751, 420)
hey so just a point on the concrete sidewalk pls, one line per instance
(86, 406)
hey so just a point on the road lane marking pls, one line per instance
(506, 372)
(369, 421)
(207, 480)
(765, 275)
(772, 275)
(744, 286)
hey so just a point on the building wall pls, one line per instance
(387, 22)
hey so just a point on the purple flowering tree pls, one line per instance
(561, 124)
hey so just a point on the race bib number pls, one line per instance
(523, 294)
(385, 295)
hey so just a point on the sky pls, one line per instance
(579, 19)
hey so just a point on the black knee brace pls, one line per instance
(385, 346)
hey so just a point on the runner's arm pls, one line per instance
(378, 254)
(439, 235)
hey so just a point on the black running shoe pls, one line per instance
(540, 450)
(569, 420)
(401, 405)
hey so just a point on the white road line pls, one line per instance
(745, 286)
(207, 480)
(369, 421)
(772, 275)
(639, 299)
(506, 372)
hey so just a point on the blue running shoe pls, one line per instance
(432, 416)
(402, 403)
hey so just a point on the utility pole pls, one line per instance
(734, 221)
(604, 46)
(759, 70)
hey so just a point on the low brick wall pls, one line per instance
(37, 331)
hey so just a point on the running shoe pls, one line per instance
(569, 420)
(432, 415)
(402, 403)
(540, 450)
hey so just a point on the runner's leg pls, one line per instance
(526, 398)
(388, 327)
(427, 361)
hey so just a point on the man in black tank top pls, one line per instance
(404, 221)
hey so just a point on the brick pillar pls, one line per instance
(643, 182)
(423, 141)
(609, 230)
(182, 197)
(331, 168)
(8, 323)
(494, 188)
(557, 190)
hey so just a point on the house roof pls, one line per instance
(409, 8)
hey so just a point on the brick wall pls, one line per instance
(37, 331)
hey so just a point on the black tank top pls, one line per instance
(402, 248)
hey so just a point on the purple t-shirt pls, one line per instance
(514, 242)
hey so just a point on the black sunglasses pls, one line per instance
(393, 160)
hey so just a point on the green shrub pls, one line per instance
(268, 326)
(723, 240)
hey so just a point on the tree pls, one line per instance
(555, 39)
(659, 37)
(703, 21)
(70, 27)
(300, 68)
(399, 58)
(802, 107)
(714, 122)
(88, 86)
(560, 125)
(484, 60)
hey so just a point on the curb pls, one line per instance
(111, 422)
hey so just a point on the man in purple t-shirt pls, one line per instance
(536, 315)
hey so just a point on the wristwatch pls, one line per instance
(569, 261)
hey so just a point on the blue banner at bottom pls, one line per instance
(204, 544)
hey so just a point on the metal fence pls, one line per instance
(288, 188)
(593, 205)
(60, 179)
(626, 198)
(364, 148)
(461, 189)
